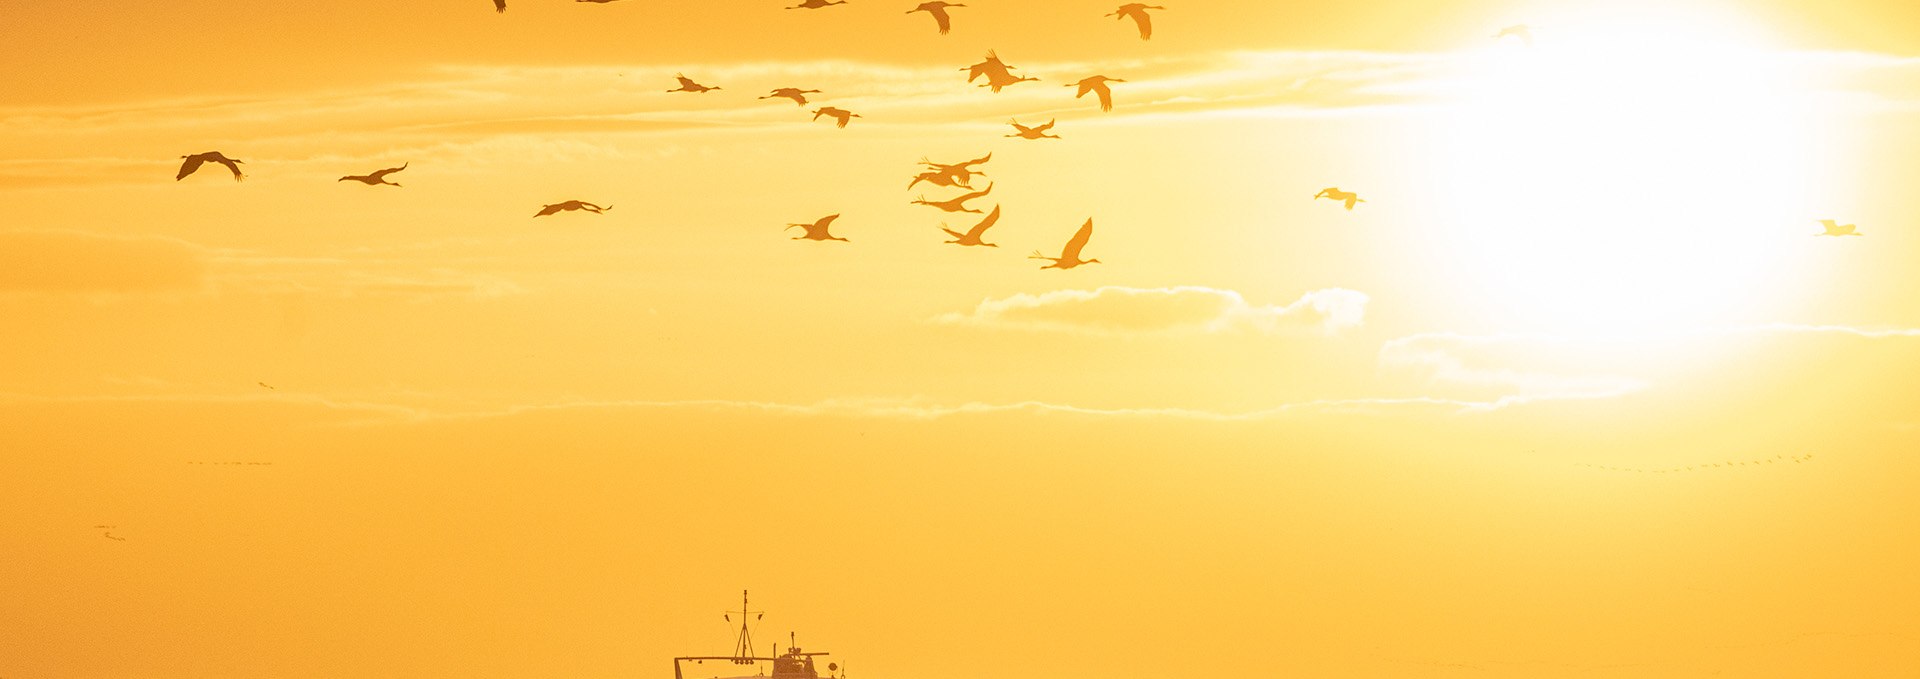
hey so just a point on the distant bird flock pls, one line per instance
(994, 75)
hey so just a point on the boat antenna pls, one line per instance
(743, 648)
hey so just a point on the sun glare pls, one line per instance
(1625, 174)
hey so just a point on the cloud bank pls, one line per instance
(1124, 310)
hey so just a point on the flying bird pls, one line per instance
(572, 205)
(500, 6)
(600, 2)
(1003, 79)
(818, 229)
(1097, 85)
(269, 386)
(961, 172)
(107, 532)
(377, 178)
(1070, 255)
(1336, 194)
(939, 12)
(955, 205)
(688, 85)
(1521, 31)
(937, 178)
(840, 116)
(1035, 132)
(799, 96)
(972, 236)
(991, 65)
(1137, 12)
(193, 163)
(816, 4)
(1837, 229)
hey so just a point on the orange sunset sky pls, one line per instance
(1576, 391)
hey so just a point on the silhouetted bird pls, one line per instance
(1336, 194)
(572, 205)
(1097, 85)
(1003, 79)
(1070, 255)
(688, 85)
(1035, 132)
(601, 2)
(972, 237)
(957, 204)
(1521, 31)
(937, 178)
(269, 386)
(816, 4)
(799, 96)
(193, 163)
(500, 6)
(961, 172)
(840, 116)
(939, 12)
(376, 178)
(111, 536)
(1836, 229)
(1137, 12)
(818, 229)
(991, 65)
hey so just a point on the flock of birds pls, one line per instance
(995, 74)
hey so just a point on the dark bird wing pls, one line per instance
(377, 175)
(940, 17)
(1146, 23)
(985, 223)
(1080, 239)
(1106, 96)
(233, 165)
(824, 221)
(499, 5)
(187, 167)
(550, 209)
(1045, 127)
(686, 82)
(1022, 128)
(979, 160)
(974, 195)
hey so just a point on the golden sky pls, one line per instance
(1575, 392)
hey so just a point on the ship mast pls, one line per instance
(743, 648)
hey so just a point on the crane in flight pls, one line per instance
(1097, 85)
(840, 116)
(956, 205)
(988, 68)
(799, 96)
(1003, 79)
(1070, 255)
(1138, 13)
(1334, 193)
(960, 172)
(572, 205)
(1521, 31)
(1834, 228)
(818, 229)
(972, 236)
(500, 6)
(1035, 132)
(816, 4)
(939, 11)
(194, 161)
(688, 85)
(377, 178)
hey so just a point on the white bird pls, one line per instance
(1834, 228)
(1336, 194)
(1070, 255)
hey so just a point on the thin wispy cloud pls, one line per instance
(1120, 310)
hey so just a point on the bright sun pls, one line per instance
(1628, 173)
